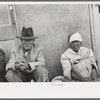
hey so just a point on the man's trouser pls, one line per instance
(40, 74)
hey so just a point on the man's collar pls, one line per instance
(33, 46)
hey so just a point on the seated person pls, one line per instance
(27, 61)
(2, 66)
(78, 62)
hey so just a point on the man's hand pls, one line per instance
(23, 64)
(25, 67)
(17, 65)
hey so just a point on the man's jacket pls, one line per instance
(34, 57)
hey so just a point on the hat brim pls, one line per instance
(27, 37)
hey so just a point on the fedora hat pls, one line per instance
(27, 33)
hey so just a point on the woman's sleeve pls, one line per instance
(65, 61)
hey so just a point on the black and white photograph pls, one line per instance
(52, 43)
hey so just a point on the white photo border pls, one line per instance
(49, 90)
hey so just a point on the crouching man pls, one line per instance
(27, 62)
(78, 62)
(2, 66)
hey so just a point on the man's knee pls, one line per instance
(42, 71)
(41, 74)
(12, 76)
(9, 73)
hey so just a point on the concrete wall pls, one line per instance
(53, 23)
(96, 28)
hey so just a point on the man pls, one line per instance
(2, 66)
(27, 62)
(78, 62)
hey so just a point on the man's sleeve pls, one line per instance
(10, 64)
(2, 61)
(40, 60)
(65, 61)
